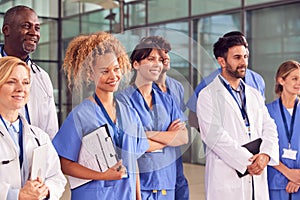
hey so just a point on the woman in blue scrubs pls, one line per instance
(100, 58)
(162, 121)
(284, 179)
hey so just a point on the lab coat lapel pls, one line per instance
(8, 139)
(224, 95)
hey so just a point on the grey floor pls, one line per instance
(194, 174)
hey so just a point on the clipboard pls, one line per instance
(252, 147)
(39, 162)
(97, 153)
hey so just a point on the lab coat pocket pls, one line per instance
(224, 177)
(10, 170)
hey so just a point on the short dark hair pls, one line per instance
(11, 13)
(160, 41)
(233, 33)
(144, 48)
(224, 43)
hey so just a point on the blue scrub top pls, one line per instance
(156, 169)
(252, 78)
(276, 180)
(85, 118)
(176, 90)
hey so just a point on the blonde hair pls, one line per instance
(82, 52)
(283, 71)
(7, 64)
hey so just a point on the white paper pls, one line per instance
(39, 162)
(97, 153)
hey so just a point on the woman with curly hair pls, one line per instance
(100, 58)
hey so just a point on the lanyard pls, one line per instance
(20, 138)
(117, 135)
(243, 103)
(289, 133)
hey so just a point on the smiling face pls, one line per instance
(166, 61)
(291, 83)
(149, 69)
(107, 74)
(15, 90)
(22, 33)
(235, 64)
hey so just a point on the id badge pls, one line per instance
(289, 154)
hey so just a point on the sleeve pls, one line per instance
(142, 141)
(4, 188)
(210, 117)
(176, 112)
(54, 178)
(270, 145)
(45, 117)
(70, 133)
(13, 194)
(52, 121)
(192, 102)
(181, 98)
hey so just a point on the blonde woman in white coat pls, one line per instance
(231, 114)
(18, 139)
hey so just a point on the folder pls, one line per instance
(252, 147)
(39, 162)
(97, 153)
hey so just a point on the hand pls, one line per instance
(34, 190)
(259, 162)
(291, 187)
(176, 125)
(115, 172)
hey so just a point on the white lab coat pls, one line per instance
(41, 104)
(223, 130)
(10, 173)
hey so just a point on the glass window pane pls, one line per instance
(70, 27)
(204, 6)
(274, 37)
(161, 10)
(209, 30)
(252, 2)
(46, 8)
(1, 34)
(70, 8)
(4, 6)
(95, 22)
(136, 15)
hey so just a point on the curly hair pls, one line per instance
(82, 52)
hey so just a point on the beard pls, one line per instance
(29, 48)
(237, 73)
